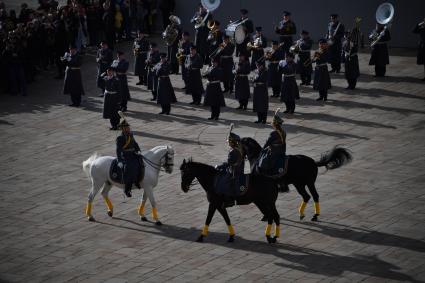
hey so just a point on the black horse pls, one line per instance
(302, 170)
(261, 191)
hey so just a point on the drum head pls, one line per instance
(239, 34)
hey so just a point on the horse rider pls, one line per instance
(129, 157)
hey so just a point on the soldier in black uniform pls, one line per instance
(242, 91)
(185, 49)
(121, 66)
(194, 65)
(322, 80)
(256, 46)
(173, 49)
(152, 60)
(129, 157)
(420, 58)
(213, 93)
(289, 92)
(112, 98)
(104, 59)
(286, 29)
(166, 94)
(380, 57)
(215, 38)
(351, 60)
(261, 95)
(73, 83)
(334, 37)
(226, 63)
(305, 44)
(275, 76)
(140, 51)
(248, 26)
(201, 33)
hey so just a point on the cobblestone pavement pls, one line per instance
(372, 221)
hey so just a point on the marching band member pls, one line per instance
(121, 66)
(194, 65)
(256, 46)
(305, 44)
(379, 56)
(226, 63)
(213, 93)
(165, 91)
(275, 76)
(322, 80)
(104, 58)
(249, 28)
(215, 38)
(289, 92)
(152, 60)
(185, 44)
(173, 48)
(242, 91)
(351, 60)
(261, 96)
(201, 33)
(140, 50)
(112, 97)
(334, 36)
(73, 83)
(286, 29)
(420, 58)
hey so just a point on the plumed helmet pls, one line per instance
(123, 122)
(276, 118)
(233, 138)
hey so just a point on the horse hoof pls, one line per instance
(158, 223)
(200, 239)
(264, 218)
(91, 219)
(314, 218)
(231, 239)
(142, 218)
(274, 240)
(269, 239)
(302, 217)
(110, 213)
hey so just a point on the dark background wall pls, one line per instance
(313, 15)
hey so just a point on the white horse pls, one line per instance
(97, 168)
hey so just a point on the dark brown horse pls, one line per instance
(261, 191)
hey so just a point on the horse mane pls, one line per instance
(253, 145)
(191, 162)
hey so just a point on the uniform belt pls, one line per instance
(351, 55)
(164, 76)
(255, 84)
(305, 51)
(119, 73)
(320, 65)
(287, 35)
(226, 56)
(288, 76)
(128, 150)
(213, 82)
(274, 62)
(241, 75)
(195, 68)
(74, 68)
(111, 92)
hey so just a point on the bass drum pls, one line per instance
(236, 33)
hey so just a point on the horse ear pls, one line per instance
(184, 161)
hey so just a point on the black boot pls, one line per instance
(127, 190)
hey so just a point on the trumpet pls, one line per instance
(66, 57)
(179, 55)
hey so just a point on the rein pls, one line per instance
(157, 166)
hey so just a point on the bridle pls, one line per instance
(193, 182)
(158, 166)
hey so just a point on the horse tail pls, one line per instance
(87, 163)
(335, 158)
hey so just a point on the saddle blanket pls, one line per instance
(229, 186)
(117, 174)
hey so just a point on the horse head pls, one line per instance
(187, 174)
(167, 161)
(251, 148)
(191, 170)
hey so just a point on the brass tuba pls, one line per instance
(384, 16)
(170, 34)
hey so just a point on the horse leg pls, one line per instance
(149, 192)
(94, 190)
(211, 210)
(315, 196)
(105, 193)
(142, 206)
(277, 223)
(269, 215)
(306, 197)
(226, 218)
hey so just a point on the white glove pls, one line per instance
(120, 165)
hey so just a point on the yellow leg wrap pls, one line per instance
(88, 208)
(231, 230)
(302, 208)
(154, 213)
(108, 203)
(277, 231)
(205, 231)
(268, 229)
(317, 208)
(141, 210)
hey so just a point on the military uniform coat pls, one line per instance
(275, 74)
(241, 48)
(289, 90)
(322, 80)
(153, 59)
(242, 91)
(186, 52)
(121, 67)
(261, 96)
(257, 53)
(380, 54)
(104, 59)
(286, 30)
(201, 35)
(336, 30)
(351, 60)
(73, 82)
(213, 93)
(194, 65)
(226, 61)
(277, 142)
(304, 55)
(166, 93)
(126, 153)
(141, 47)
(112, 97)
(420, 58)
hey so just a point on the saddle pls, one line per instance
(227, 185)
(117, 174)
(270, 164)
